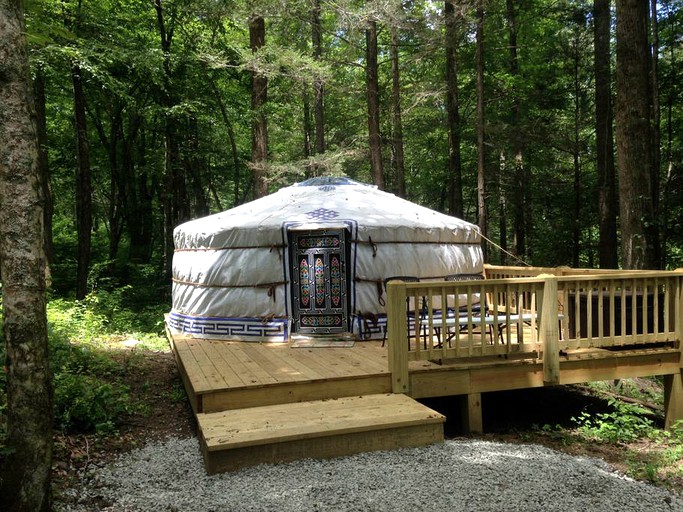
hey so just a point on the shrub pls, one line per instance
(625, 423)
(86, 403)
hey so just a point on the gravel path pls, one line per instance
(459, 475)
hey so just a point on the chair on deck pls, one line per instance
(409, 315)
(457, 316)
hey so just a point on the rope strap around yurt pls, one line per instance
(271, 287)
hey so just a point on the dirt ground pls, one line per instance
(514, 416)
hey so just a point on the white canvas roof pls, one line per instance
(233, 266)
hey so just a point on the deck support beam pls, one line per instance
(673, 399)
(471, 415)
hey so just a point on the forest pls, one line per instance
(154, 112)
(554, 125)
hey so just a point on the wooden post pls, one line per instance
(397, 336)
(472, 422)
(673, 384)
(678, 310)
(673, 399)
(550, 340)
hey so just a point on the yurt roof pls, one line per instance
(321, 202)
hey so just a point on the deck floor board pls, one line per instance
(280, 365)
(234, 376)
(207, 369)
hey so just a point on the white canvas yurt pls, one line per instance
(310, 259)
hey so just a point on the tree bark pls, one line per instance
(233, 143)
(25, 482)
(604, 139)
(399, 177)
(656, 123)
(169, 192)
(83, 185)
(481, 157)
(638, 223)
(576, 146)
(259, 97)
(318, 85)
(455, 199)
(372, 87)
(520, 189)
(43, 162)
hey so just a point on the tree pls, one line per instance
(318, 85)
(604, 140)
(398, 159)
(26, 477)
(481, 154)
(521, 183)
(372, 94)
(455, 200)
(83, 184)
(639, 239)
(259, 97)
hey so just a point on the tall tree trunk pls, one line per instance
(168, 193)
(399, 177)
(138, 193)
(670, 103)
(372, 85)
(604, 140)
(521, 183)
(656, 124)
(481, 157)
(25, 479)
(43, 162)
(638, 226)
(117, 187)
(233, 143)
(318, 85)
(308, 128)
(83, 185)
(193, 169)
(576, 148)
(502, 207)
(117, 201)
(259, 97)
(455, 199)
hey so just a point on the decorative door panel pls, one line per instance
(319, 281)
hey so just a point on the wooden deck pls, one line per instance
(259, 402)
(220, 375)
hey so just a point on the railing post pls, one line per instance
(673, 384)
(397, 336)
(678, 310)
(550, 339)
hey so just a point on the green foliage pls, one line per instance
(625, 423)
(86, 403)
(89, 378)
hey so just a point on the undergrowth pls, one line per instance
(89, 373)
(650, 452)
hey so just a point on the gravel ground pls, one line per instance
(458, 475)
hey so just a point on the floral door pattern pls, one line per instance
(319, 284)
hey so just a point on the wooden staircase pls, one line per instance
(317, 429)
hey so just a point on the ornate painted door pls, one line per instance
(319, 283)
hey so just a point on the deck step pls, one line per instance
(317, 429)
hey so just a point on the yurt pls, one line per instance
(310, 259)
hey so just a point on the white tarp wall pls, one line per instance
(230, 270)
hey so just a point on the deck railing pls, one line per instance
(531, 312)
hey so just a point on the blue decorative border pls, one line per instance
(246, 328)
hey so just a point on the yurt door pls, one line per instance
(319, 281)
